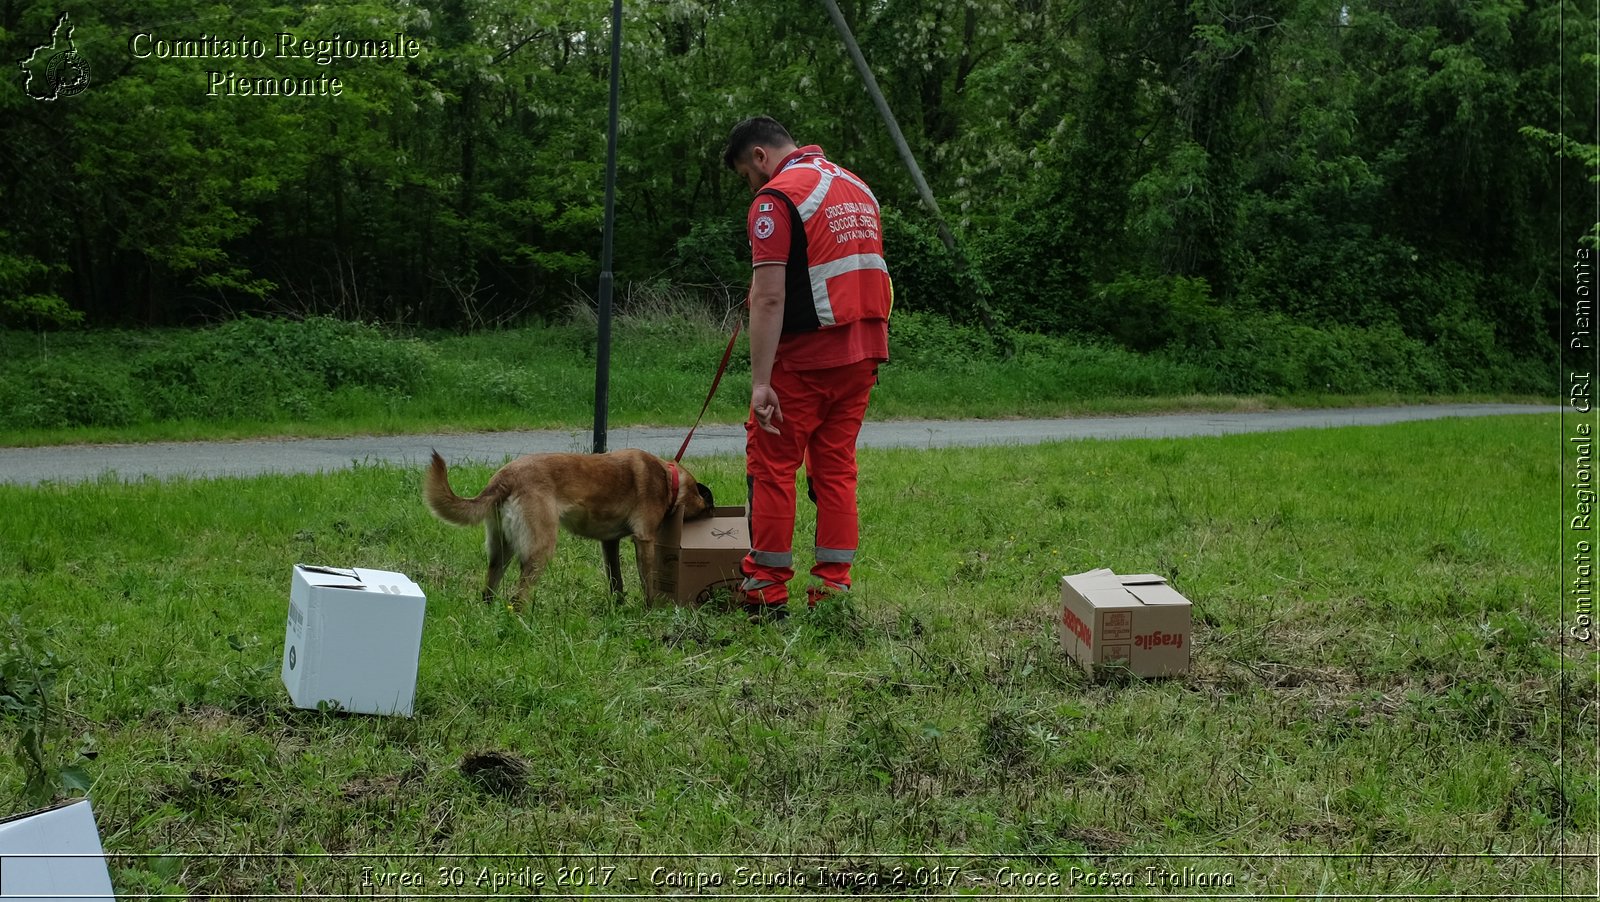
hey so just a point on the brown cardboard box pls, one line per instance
(696, 558)
(1138, 623)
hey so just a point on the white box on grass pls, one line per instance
(53, 853)
(353, 639)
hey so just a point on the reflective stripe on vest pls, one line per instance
(813, 201)
(821, 273)
(867, 295)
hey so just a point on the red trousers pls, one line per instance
(822, 411)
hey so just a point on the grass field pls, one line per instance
(320, 377)
(1378, 677)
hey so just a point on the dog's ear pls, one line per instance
(705, 494)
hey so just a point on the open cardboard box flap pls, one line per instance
(1100, 588)
(1152, 589)
(358, 579)
(331, 577)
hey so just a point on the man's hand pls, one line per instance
(764, 404)
(766, 329)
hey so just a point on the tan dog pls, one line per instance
(598, 496)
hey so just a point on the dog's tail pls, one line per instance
(450, 507)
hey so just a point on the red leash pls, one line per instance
(722, 367)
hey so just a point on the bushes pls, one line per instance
(1270, 353)
(925, 277)
(44, 396)
(1145, 314)
(1267, 351)
(269, 369)
(265, 371)
(248, 369)
(326, 351)
(1053, 367)
(930, 341)
(1203, 348)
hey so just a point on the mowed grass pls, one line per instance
(1378, 671)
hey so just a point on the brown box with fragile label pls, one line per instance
(695, 559)
(1137, 623)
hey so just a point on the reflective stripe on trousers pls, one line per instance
(822, 412)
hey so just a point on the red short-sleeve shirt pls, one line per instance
(768, 225)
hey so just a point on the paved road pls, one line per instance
(31, 466)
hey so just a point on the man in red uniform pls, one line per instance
(819, 327)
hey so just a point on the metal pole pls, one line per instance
(888, 119)
(900, 144)
(602, 358)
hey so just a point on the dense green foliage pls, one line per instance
(1201, 177)
(252, 376)
(245, 369)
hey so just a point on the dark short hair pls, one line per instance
(749, 133)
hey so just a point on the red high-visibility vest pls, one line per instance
(835, 273)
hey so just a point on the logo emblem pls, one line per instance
(55, 70)
(765, 208)
(763, 226)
